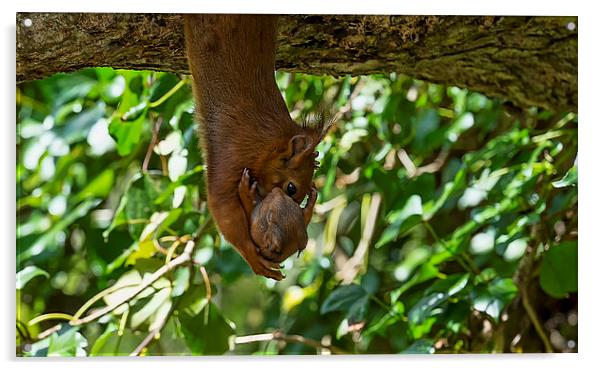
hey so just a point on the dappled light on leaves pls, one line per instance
(445, 223)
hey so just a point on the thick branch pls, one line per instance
(528, 60)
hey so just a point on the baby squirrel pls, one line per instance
(278, 224)
(244, 123)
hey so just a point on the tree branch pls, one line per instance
(181, 259)
(531, 61)
(277, 335)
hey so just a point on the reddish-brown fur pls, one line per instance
(245, 122)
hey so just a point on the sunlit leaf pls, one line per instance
(569, 178)
(28, 273)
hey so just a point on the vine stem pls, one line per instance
(50, 316)
(278, 335)
(97, 297)
(168, 94)
(468, 266)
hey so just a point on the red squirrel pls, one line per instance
(278, 224)
(244, 123)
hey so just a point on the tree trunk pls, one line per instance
(531, 61)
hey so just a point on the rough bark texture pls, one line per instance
(527, 60)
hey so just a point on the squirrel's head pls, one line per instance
(278, 227)
(292, 166)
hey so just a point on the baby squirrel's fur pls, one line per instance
(278, 224)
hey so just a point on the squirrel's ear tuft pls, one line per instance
(319, 122)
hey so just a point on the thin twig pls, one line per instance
(323, 208)
(99, 296)
(535, 320)
(207, 282)
(153, 333)
(278, 335)
(432, 167)
(523, 280)
(49, 331)
(152, 144)
(181, 259)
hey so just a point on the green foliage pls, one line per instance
(437, 208)
(558, 275)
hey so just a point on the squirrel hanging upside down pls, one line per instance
(244, 123)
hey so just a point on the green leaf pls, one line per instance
(49, 237)
(206, 334)
(28, 273)
(101, 342)
(68, 342)
(126, 133)
(125, 285)
(432, 207)
(99, 187)
(403, 220)
(569, 178)
(558, 275)
(194, 176)
(160, 298)
(421, 346)
(182, 281)
(109, 343)
(426, 307)
(426, 272)
(77, 128)
(494, 297)
(138, 204)
(434, 303)
(352, 299)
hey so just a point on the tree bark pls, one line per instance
(531, 61)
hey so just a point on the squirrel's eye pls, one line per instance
(291, 189)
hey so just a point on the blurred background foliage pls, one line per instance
(446, 223)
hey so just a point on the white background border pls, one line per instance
(590, 138)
